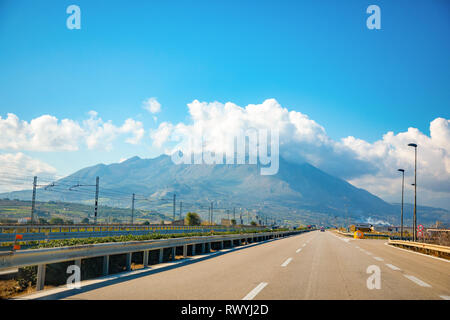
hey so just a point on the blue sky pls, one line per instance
(315, 57)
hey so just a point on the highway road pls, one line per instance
(315, 265)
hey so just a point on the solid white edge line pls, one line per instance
(417, 281)
(255, 291)
(445, 297)
(298, 250)
(286, 262)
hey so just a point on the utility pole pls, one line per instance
(401, 218)
(240, 216)
(33, 200)
(209, 214)
(181, 208)
(132, 209)
(415, 189)
(174, 204)
(97, 180)
(234, 214)
(248, 217)
(212, 211)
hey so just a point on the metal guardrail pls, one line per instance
(59, 232)
(368, 235)
(42, 257)
(421, 245)
(32, 257)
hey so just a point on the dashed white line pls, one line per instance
(304, 245)
(286, 262)
(445, 297)
(378, 258)
(255, 291)
(357, 247)
(369, 253)
(417, 281)
(298, 250)
(393, 267)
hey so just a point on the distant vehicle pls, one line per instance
(322, 229)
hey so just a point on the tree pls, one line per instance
(146, 223)
(85, 220)
(192, 219)
(233, 222)
(56, 221)
(253, 223)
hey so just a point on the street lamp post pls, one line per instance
(415, 187)
(403, 187)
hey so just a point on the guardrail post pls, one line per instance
(221, 245)
(173, 253)
(40, 277)
(105, 265)
(129, 261)
(145, 262)
(203, 247)
(185, 251)
(193, 249)
(161, 255)
(231, 243)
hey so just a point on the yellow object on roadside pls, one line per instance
(358, 235)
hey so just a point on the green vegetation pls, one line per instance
(192, 219)
(150, 236)
(68, 212)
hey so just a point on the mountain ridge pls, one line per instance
(298, 192)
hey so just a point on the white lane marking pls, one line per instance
(298, 250)
(393, 267)
(417, 281)
(357, 247)
(304, 245)
(286, 262)
(422, 254)
(378, 258)
(445, 297)
(369, 253)
(255, 291)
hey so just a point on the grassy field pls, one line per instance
(12, 210)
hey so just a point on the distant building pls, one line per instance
(177, 222)
(24, 220)
(364, 227)
(226, 222)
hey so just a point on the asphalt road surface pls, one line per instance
(315, 265)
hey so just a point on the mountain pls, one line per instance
(298, 192)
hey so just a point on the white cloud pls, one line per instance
(17, 171)
(152, 105)
(372, 166)
(162, 134)
(47, 133)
